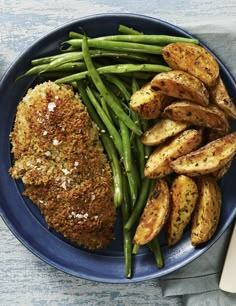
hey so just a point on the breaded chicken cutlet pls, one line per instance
(60, 159)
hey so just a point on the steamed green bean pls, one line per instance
(104, 92)
(119, 68)
(116, 45)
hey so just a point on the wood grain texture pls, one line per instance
(24, 279)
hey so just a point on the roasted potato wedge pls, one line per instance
(207, 212)
(208, 158)
(211, 134)
(181, 85)
(193, 59)
(218, 174)
(185, 111)
(219, 96)
(155, 213)
(148, 103)
(225, 121)
(161, 131)
(158, 164)
(184, 195)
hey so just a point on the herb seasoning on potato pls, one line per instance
(193, 59)
(207, 212)
(184, 196)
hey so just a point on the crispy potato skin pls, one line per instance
(148, 103)
(208, 158)
(185, 111)
(207, 213)
(220, 96)
(181, 85)
(218, 174)
(184, 195)
(193, 59)
(161, 131)
(155, 213)
(158, 164)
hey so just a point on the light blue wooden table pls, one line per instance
(24, 279)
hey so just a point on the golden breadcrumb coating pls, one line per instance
(60, 159)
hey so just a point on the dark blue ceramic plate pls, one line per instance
(24, 219)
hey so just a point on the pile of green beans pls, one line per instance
(106, 71)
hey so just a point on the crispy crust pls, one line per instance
(155, 213)
(148, 103)
(59, 157)
(206, 116)
(193, 59)
(158, 163)
(181, 85)
(209, 158)
(207, 212)
(184, 195)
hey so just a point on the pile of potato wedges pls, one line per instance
(190, 110)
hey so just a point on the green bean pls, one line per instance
(127, 238)
(123, 68)
(116, 45)
(103, 104)
(130, 39)
(114, 134)
(47, 59)
(139, 145)
(154, 246)
(130, 167)
(149, 39)
(119, 84)
(135, 86)
(119, 68)
(73, 34)
(147, 149)
(52, 75)
(136, 174)
(141, 156)
(69, 67)
(104, 92)
(135, 249)
(116, 170)
(77, 56)
(66, 58)
(91, 110)
(109, 147)
(119, 54)
(127, 30)
(141, 202)
(127, 161)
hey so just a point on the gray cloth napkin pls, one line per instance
(198, 282)
(201, 275)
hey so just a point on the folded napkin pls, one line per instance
(201, 275)
(198, 282)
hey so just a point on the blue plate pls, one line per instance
(22, 216)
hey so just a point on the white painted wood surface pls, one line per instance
(24, 279)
